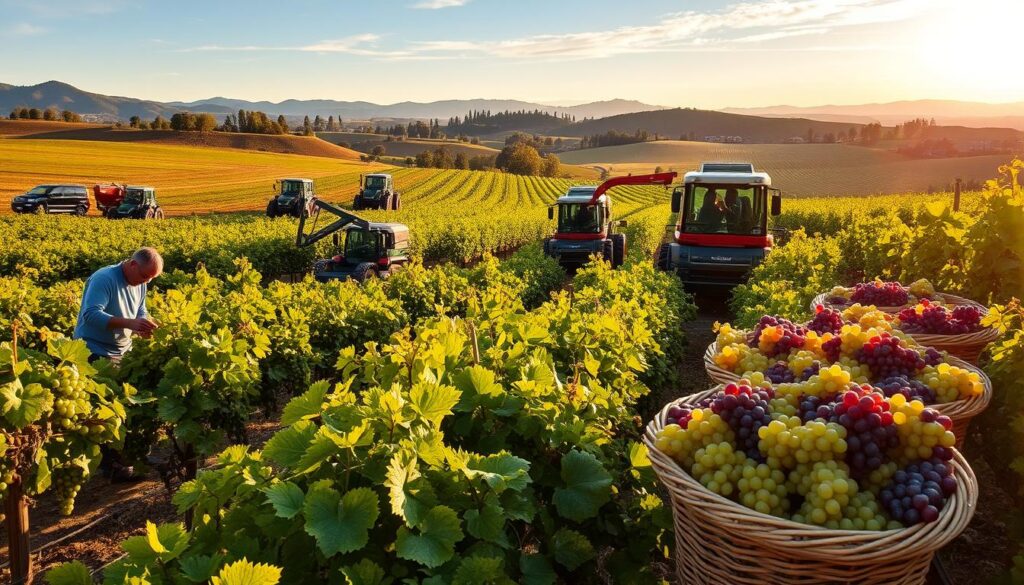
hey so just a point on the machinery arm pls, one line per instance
(652, 179)
(347, 218)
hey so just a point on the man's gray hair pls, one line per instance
(148, 257)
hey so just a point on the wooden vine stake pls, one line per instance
(16, 510)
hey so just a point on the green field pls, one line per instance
(187, 179)
(798, 169)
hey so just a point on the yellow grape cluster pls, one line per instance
(858, 372)
(800, 360)
(917, 437)
(718, 467)
(827, 489)
(813, 341)
(729, 335)
(864, 513)
(704, 428)
(786, 441)
(951, 383)
(879, 478)
(868, 316)
(922, 288)
(763, 488)
(826, 382)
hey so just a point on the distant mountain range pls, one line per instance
(64, 96)
(945, 112)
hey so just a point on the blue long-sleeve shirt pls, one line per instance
(108, 294)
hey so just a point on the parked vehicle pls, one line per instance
(370, 249)
(53, 199)
(377, 191)
(295, 199)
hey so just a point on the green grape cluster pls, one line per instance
(718, 467)
(827, 491)
(67, 481)
(763, 488)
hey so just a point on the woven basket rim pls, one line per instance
(948, 298)
(964, 408)
(809, 541)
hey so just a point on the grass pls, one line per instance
(798, 169)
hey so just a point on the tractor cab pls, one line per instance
(722, 230)
(294, 198)
(577, 215)
(137, 203)
(377, 191)
(369, 249)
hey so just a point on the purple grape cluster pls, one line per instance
(885, 357)
(812, 370)
(870, 429)
(779, 373)
(932, 357)
(794, 335)
(885, 294)
(813, 407)
(745, 410)
(679, 415)
(833, 348)
(938, 320)
(918, 492)
(826, 320)
(911, 388)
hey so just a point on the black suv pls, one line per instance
(53, 199)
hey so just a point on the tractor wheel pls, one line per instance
(111, 213)
(664, 257)
(608, 252)
(398, 202)
(272, 208)
(158, 214)
(81, 210)
(365, 271)
(386, 203)
(618, 249)
(297, 211)
(150, 213)
(357, 203)
(40, 210)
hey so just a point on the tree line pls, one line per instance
(49, 114)
(484, 122)
(614, 138)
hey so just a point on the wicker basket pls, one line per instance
(946, 298)
(721, 542)
(960, 411)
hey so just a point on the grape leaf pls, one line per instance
(24, 405)
(411, 497)
(340, 523)
(572, 549)
(500, 471)
(200, 568)
(73, 573)
(433, 402)
(245, 573)
(320, 450)
(488, 523)
(435, 543)
(287, 446)
(536, 569)
(71, 352)
(480, 570)
(365, 572)
(588, 486)
(286, 497)
(168, 541)
(307, 405)
(638, 456)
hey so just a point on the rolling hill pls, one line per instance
(282, 144)
(64, 96)
(678, 122)
(366, 142)
(798, 169)
(945, 112)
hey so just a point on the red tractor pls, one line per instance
(585, 223)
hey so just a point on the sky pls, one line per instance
(699, 53)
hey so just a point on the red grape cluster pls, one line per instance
(679, 415)
(909, 387)
(918, 492)
(881, 294)
(745, 410)
(826, 320)
(833, 348)
(932, 357)
(870, 429)
(793, 335)
(938, 320)
(885, 357)
(779, 373)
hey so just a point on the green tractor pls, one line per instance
(138, 203)
(295, 198)
(370, 250)
(377, 191)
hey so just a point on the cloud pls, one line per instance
(24, 29)
(739, 26)
(436, 4)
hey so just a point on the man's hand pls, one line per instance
(143, 326)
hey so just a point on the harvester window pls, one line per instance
(291, 188)
(579, 218)
(725, 210)
(375, 182)
(361, 245)
(133, 196)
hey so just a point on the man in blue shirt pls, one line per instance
(113, 309)
(114, 305)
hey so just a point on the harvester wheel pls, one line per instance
(272, 208)
(365, 271)
(81, 210)
(618, 249)
(664, 257)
